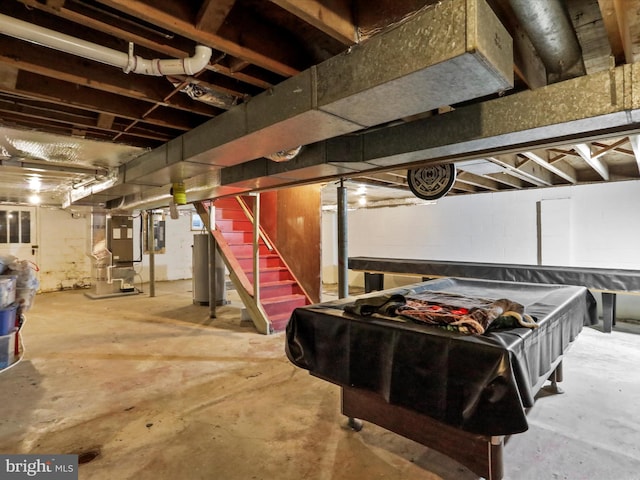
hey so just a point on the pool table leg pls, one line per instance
(373, 282)
(482, 454)
(555, 377)
(608, 311)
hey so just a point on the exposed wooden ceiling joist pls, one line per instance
(527, 170)
(181, 26)
(559, 167)
(333, 17)
(635, 145)
(616, 24)
(169, 50)
(212, 14)
(477, 181)
(585, 152)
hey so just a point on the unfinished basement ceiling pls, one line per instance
(112, 138)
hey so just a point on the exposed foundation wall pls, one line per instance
(589, 225)
(63, 245)
(175, 263)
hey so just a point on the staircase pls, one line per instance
(280, 292)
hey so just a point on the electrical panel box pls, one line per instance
(120, 239)
(159, 233)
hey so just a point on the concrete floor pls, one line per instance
(160, 391)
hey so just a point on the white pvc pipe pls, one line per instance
(127, 61)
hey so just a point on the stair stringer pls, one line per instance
(237, 276)
(274, 248)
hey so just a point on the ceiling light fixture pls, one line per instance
(35, 183)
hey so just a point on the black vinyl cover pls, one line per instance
(608, 279)
(479, 383)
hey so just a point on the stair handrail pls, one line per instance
(249, 215)
(245, 289)
(264, 235)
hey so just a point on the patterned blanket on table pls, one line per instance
(454, 312)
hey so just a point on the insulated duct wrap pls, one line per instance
(454, 51)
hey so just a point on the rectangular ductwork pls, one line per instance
(454, 51)
(450, 52)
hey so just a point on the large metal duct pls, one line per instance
(454, 51)
(550, 30)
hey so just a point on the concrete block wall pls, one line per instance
(598, 223)
(175, 263)
(62, 242)
(63, 247)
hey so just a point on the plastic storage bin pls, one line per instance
(8, 285)
(7, 349)
(7, 319)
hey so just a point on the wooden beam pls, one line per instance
(8, 76)
(507, 178)
(105, 120)
(527, 171)
(237, 64)
(563, 170)
(607, 148)
(610, 20)
(165, 20)
(378, 183)
(58, 92)
(332, 17)
(464, 187)
(55, 3)
(585, 152)
(168, 50)
(212, 14)
(635, 145)
(75, 70)
(617, 27)
(478, 181)
(57, 124)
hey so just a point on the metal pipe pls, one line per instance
(125, 60)
(343, 261)
(152, 260)
(213, 294)
(550, 30)
(256, 248)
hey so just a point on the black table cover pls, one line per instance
(479, 383)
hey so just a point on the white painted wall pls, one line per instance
(329, 248)
(175, 263)
(603, 230)
(63, 246)
(62, 242)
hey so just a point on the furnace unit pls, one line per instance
(111, 249)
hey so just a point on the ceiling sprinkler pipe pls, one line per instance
(127, 61)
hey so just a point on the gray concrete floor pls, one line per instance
(160, 391)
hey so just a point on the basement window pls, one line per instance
(15, 226)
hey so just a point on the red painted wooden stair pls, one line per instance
(280, 292)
